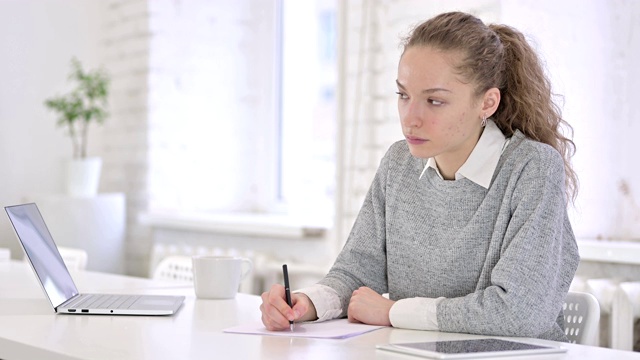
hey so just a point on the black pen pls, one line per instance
(287, 291)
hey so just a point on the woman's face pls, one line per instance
(439, 113)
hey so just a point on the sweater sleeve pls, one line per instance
(362, 261)
(538, 258)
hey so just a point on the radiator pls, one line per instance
(252, 284)
(625, 312)
(267, 268)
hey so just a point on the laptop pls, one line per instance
(55, 280)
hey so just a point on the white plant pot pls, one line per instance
(83, 176)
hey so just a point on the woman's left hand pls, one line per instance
(369, 307)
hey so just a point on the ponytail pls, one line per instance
(527, 102)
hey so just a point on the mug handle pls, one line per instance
(247, 267)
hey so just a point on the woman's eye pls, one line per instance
(435, 102)
(402, 95)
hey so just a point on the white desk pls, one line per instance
(30, 330)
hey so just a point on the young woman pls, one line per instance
(465, 225)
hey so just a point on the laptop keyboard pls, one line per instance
(98, 301)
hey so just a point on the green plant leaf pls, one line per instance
(87, 101)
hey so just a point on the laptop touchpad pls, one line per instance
(147, 302)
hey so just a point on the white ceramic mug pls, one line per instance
(218, 277)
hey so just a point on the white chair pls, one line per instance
(581, 318)
(5, 254)
(625, 309)
(176, 268)
(74, 258)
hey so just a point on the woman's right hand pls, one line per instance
(276, 313)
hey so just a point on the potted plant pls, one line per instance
(85, 105)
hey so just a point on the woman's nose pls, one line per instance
(410, 115)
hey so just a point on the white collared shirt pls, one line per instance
(420, 313)
(482, 162)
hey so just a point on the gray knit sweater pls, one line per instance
(502, 257)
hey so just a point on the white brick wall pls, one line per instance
(125, 146)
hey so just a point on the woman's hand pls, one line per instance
(276, 313)
(369, 307)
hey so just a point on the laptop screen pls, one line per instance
(42, 253)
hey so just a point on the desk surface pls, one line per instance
(30, 330)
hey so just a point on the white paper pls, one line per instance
(333, 329)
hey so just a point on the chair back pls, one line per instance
(5, 254)
(176, 268)
(581, 318)
(74, 258)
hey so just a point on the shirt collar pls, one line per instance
(483, 160)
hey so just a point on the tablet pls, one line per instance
(470, 349)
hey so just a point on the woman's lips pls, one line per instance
(415, 140)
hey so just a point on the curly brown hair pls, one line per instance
(499, 56)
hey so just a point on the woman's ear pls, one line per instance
(490, 101)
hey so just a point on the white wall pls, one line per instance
(592, 60)
(38, 39)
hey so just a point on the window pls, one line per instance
(308, 120)
(243, 120)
